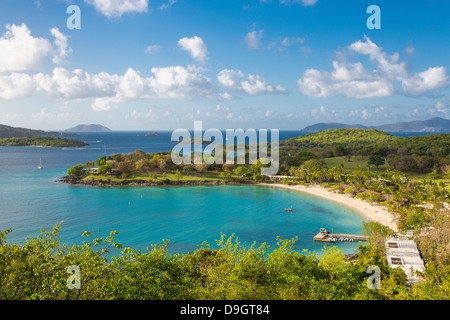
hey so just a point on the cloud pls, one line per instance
(350, 80)
(410, 50)
(253, 39)
(354, 81)
(441, 108)
(138, 116)
(167, 5)
(108, 90)
(63, 49)
(60, 115)
(286, 42)
(247, 84)
(153, 49)
(117, 8)
(424, 82)
(16, 86)
(291, 2)
(195, 46)
(305, 3)
(20, 51)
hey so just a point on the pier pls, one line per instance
(326, 236)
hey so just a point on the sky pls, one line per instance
(262, 64)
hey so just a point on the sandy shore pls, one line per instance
(370, 212)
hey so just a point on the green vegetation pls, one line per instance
(419, 154)
(13, 132)
(158, 169)
(41, 142)
(37, 269)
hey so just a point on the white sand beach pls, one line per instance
(371, 212)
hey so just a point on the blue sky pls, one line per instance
(275, 64)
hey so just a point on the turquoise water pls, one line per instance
(31, 199)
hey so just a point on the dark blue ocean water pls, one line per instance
(32, 199)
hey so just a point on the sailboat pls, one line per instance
(40, 164)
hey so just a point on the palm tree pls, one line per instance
(442, 185)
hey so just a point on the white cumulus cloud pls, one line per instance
(426, 81)
(20, 51)
(16, 86)
(63, 49)
(355, 81)
(247, 84)
(108, 90)
(117, 8)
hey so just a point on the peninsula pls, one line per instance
(15, 132)
(41, 142)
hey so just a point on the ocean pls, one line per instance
(33, 199)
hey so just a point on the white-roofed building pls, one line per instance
(404, 254)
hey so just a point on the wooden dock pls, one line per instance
(326, 236)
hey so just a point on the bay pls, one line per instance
(32, 199)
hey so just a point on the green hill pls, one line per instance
(14, 132)
(342, 136)
(415, 153)
(339, 142)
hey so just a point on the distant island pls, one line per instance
(15, 132)
(431, 125)
(41, 142)
(152, 134)
(89, 128)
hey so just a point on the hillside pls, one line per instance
(415, 153)
(89, 128)
(14, 132)
(431, 125)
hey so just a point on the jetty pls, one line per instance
(326, 236)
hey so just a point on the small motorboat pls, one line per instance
(288, 209)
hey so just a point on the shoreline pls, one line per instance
(371, 212)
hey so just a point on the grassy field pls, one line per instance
(352, 163)
(416, 177)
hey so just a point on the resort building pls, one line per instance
(93, 170)
(403, 253)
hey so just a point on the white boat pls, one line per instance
(40, 164)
